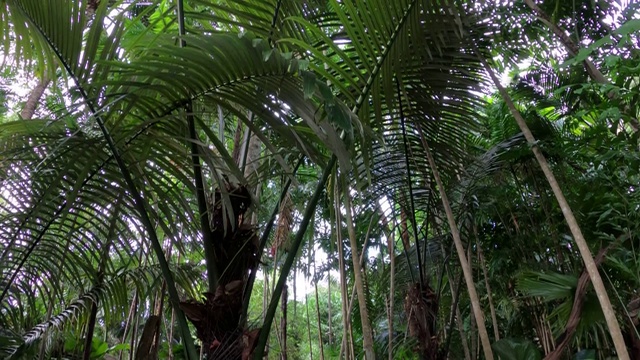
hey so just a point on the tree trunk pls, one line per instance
(346, 345)
(466, 268)
(494, 318)
(329, 306)
(404, 230)
(315, 285)
(34, 98)
(367, 331)
(155, 346)
(218, 319)
(86, 355)
(146, 340)
(306, 301)
(283, 324)
(455, 312)
(590, 265)
(392, 265)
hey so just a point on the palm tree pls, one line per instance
(146, 180)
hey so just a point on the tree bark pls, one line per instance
(346, 345)
(494, 318)
(315, 285)
(583, 247)
(367, 331)
(457, 241)
(306, 301)
(34, 98)
(146, 340)
(392, 265)
(283, 324)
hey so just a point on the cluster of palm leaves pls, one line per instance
(105, 204)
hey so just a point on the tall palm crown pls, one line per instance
(131, 187)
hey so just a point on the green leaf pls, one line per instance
(98, 348)
(119, 347)
(308, 84)
(629, 27)
(266, 54)
(549, 286)
(516, 349)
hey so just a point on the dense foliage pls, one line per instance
(319, 179)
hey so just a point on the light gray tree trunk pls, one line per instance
(464, 263)
(367, 331)
(587, 257)
(33, 100)
(345, 347)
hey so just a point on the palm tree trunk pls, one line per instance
(483, 265)
(170, 335)
(330, 320)
(392, 291)
(455, 313)
(346, 345)
(306, 301)
(367, 331)
(404, 230)
(283, 324)
(583, 247)
(465, 345)
(86, 355)
(155, 346)
(130, 323)
(288, 262)
(99, 280)
(34, 98)
(457, 241)
(315, 285)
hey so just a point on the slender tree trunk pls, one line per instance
(392, 291)
(34, 98)
(306, 301)
(494, 318)
(583, 247)
(128, 324)
(146, 339)
(367, 331)
(404, 230)
(315, 285)
(353, 289)
(329, 306)
(99, 280)
(86, 355)
(155, 347)
(455, 312)
(346, 345)
(465, 345)
(473, 323)
(170, 336)
(466, 268)
(283, 324)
